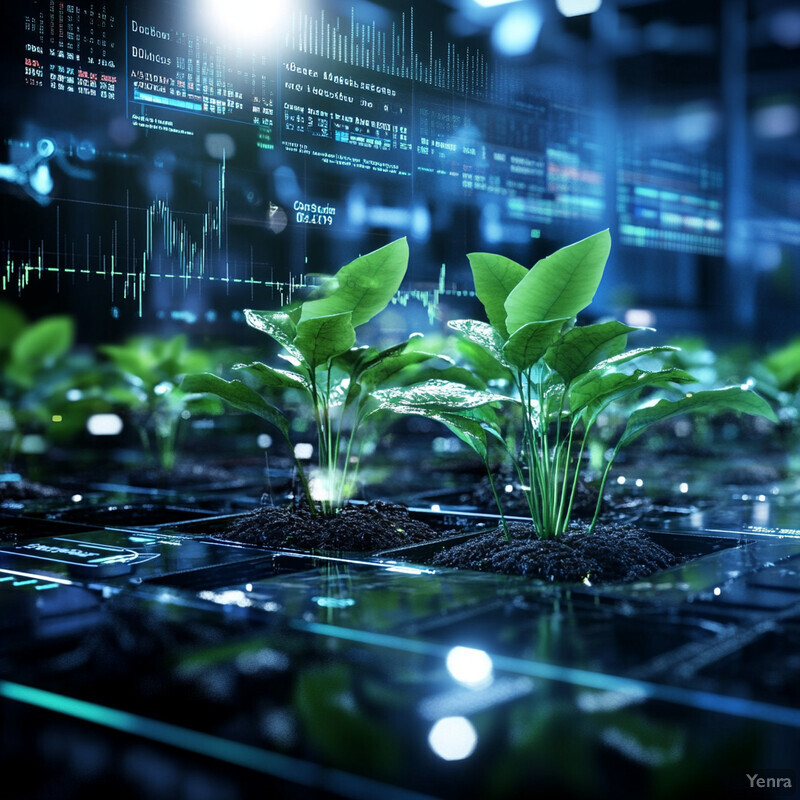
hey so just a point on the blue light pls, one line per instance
(517, 31)
(494, 3)
(453, 738)
(470, 666)
(575, 8)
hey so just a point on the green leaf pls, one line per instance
(483, 366)
(384, 369)
(42, 342)
(365, 286)
(137, 362)
(580, 349)
(356, 359)
(784, 364)
(561, 285)
(482, 334)
(273, 378)
(731, 398)
(639, 352)
(278, 324)
(494, 277)
(436, 396)
(468, 430)
(12, 323)
(343, 393)
(321, 338)
(599, 389)
(530, 342)
(453, 374)
(239, 396)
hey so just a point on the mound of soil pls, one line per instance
(612, 553)
(356, 528)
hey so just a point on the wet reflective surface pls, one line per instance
(157, 660)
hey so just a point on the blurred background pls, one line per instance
(167, 164)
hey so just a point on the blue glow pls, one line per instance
(41, 181)
(575, 8)
(246, 19)
(333, 602)
(470, 666)
(294, 770)
(494, 3)
(517, 31)
(453, 738)
(710, 701)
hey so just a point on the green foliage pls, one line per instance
(336, 378)
(561, 377)
(148, 371)
(47, 387)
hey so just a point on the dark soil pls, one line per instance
(356, 528)
(613, 553)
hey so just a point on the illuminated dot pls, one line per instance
(684, 487)
(76, 498)
(621, 480)
(575, 8)
(264, 441)
(333, 602)
(640, 318)
(40, 180)
(639, 482)
(104, 424)
(57, 418)
(517, 31)
(33, 443)
(74, 394)
(717, 591)
(470, 666)
(303, 450)
(248, 587)
(453, 738)
(509, 488)
(436, 507)
(163, 388)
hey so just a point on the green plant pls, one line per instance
(47, 388)
(335, 377)
(563, 376)
(148, 371)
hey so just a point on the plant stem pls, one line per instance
(506, 532)
(602, 489)
(301, 473)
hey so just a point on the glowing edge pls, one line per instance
(50, 578)
(285, 767)
(693, 698)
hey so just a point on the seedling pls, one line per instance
(335, 377)
(149, 370)
(563, 376)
